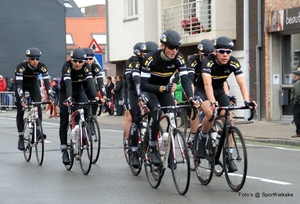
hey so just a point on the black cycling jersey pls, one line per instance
(194, 64)
(25, 75)
(157, 71)
(219, 73)
(97, 75)
(71, 80)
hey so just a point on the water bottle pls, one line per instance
(214, 138)
(163, 143)
(75, 136)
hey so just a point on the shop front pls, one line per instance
(283, 53)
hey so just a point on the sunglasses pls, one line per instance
(223, 51)
(172, 47)
(79, 61)
(34, 58)
(89, 58)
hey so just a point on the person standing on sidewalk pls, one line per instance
(295, 101)
(118, 96)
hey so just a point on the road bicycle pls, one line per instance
(33, 132)
(176, 155)
(95, 134)
(226, 141)
(81, 147)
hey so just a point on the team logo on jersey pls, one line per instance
(44, 69)
(236, 64)
(96, 69)
(69, 70)
(86, 69)
(21, 69)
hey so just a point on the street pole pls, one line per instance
(246, 52)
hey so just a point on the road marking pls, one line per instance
(269, 180)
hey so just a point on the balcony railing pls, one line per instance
(190, 18)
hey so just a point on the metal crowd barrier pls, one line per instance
(7, 100)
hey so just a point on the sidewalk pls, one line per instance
(269, 132)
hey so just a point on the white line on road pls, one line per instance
(269, 180)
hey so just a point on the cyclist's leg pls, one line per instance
(64, 120)
(133, 133)
(20, 123)
(152, 104)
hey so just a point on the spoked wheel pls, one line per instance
(39, 143)
(86, 149)
(70, 149)
(218, 170)
(96, 138)
(236, 154)
(27, 133)
(180, 163)
(126, 148)
(154, 174)
(204, 169)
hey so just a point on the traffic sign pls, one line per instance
(94, 45)
(99, 59)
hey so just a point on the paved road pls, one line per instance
(271, 172)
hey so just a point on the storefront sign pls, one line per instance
(283, 20)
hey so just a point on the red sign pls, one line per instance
(94, 45)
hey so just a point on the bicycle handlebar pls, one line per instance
(229, 108)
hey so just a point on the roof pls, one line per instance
(82, 29)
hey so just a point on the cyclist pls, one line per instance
(157, 69)
(26, 78)
(74, 71)
(96, 72)
(133, 94)
(209, 85)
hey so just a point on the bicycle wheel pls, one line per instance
(218, 170)
(39, 143)
(96, 138)
(154, 174)
(70, 148)
(27, 133)
(86, 149)
(180, 163)
(190, 146)
(204, 169)
(238, 155)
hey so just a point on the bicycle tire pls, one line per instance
(154, 174)
(218, 168)
(96, 138)
(203, 168)
(190, 146)
(39, 142)
(236, 179)
(27, 140)
(70, 148)
(180, 163)
(86, 148)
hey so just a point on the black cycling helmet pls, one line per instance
(223, 42)
(171, 38)
(137, 48)
(206, 46)
(33, 52)
(149, 46)
(78, 54)
(89, 52)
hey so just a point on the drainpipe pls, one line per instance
(258, 58)
(107, 31)
(246, 51)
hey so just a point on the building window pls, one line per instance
(132, 8)
(291, 56)
(69, 39)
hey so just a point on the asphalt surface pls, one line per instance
(270, 132)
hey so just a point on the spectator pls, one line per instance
(54, 103)
(118, 96)
(295, 101)
(109, 87)
(2, 93)
(10, 88)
